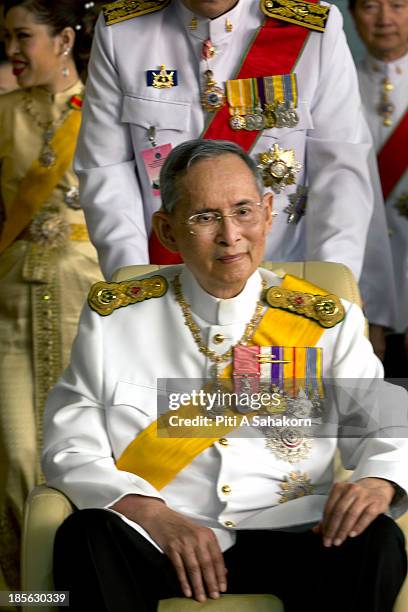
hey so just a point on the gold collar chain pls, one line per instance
(195, 330)
(48, 124)
(47, 157)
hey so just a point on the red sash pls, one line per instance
(274, 49)
(393, 157)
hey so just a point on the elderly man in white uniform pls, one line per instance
(383, 76)
(274, 77)
(206, 499)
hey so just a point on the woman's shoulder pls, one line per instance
(9, 100)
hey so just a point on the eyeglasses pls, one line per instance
(208, 222)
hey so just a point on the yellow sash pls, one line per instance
(159, 459)
(39, 182)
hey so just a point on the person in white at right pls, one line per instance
(383, 77)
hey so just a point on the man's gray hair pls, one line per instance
(188, 153)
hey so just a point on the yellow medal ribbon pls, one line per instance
(39, 182)
(273, 87)
(242, 95)
(235, 96)
(293, 82)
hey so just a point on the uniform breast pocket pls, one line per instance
(141, 398)
(133, 408)
(153, 116)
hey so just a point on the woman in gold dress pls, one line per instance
(46, 260)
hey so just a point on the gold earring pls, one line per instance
(193, 23)
(228, 25)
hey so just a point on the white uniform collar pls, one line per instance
(217, 311)
(214, 29)
(392, 70)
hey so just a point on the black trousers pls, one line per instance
(395, 358)
(108, 567)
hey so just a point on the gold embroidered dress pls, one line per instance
(45, 273)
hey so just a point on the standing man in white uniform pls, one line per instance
(210, 497)
(383, 76)
(279, 81)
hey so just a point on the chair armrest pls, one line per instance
(45, 510)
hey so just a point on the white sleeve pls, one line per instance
(105, 164)
(77, 456)
(373, 414)
(340, 200)
(377, 283)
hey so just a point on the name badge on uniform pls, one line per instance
(161, 78)
(153, 159)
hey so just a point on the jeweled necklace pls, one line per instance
(195, 330)
(47, 157)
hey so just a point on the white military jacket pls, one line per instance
(108, 395)
(331, 140)
(371, 72)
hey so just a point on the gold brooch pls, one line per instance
(279, 168)
(104, 297)
(212, 97)
(49, 230)
(295, 485)
(326, 310)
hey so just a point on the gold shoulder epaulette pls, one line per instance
(114, 12)
(104, 297)
(306, 14)
(326, 310)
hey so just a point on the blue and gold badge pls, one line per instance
(161, 78)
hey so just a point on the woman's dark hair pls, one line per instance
(3, 55)
(59, 14)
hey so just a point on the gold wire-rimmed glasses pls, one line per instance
(207, 222)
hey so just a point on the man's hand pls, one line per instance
(377, 339)
(351, 507)
(193, 550)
